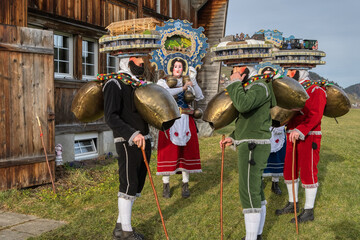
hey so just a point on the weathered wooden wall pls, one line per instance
(26, 91)
(13, 12)
(211, 16)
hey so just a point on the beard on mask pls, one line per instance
(135, 69)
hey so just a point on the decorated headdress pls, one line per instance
(179, 41)
(131, 38)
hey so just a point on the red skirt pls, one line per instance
(173, 159)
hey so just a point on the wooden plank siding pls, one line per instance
(27, 90)
(13, 12)
(211, 16)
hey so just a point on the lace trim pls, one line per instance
(251, 210)
(257, 141)
(126, 196)
(315, 185)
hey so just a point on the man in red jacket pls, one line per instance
(305, 129)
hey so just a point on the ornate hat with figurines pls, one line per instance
(291, 52)
(134, 37)
(242, 50)
(179, 40)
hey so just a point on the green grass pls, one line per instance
(86, 198)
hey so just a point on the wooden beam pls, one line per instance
(27, 49)
(25, 160)
(140, 13)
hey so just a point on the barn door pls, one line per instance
(26, 91)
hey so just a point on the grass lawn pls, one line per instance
(87, 197)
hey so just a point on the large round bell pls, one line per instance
(88, 103)
(189, 96)
(220, 111)
(197, 113)
(156, 106)
(289, 93)
(186, 79)
(337, 102)
(171, 81)
(281, 116)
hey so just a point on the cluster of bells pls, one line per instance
(189, 97)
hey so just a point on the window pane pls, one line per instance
(90, 47)
(77, 151)
(89, 149)
(56, 69)
(63, 67)
(90, 70)
(64, 54)
(90, 58)
(56, 53)
(83, 69)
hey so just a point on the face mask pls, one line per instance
(135, 69)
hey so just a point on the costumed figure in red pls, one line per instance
(305, 129)
(178, 147)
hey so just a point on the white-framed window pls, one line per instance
(112, 63)
(89, 59)
(85, 146)
(158, 3)
(170, 8)
(63, 55)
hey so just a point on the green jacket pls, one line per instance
(253, 103)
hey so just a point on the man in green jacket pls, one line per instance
(253, 98)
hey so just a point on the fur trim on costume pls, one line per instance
(290, 181)
(179, 170)
(257, 141)
(251, 210)
(126, 196)
(315, 185)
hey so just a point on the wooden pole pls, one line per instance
(293, 186)
(221, 187)
(46, 158)
(153, 187)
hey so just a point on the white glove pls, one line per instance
(192, 75)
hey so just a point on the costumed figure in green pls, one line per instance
(252, 97)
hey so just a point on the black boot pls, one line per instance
(289, 208)
(304, 216)
(166, 190)
(275, 188)
(130, 236)
(117, 231)
(257, 238)
(185, 190)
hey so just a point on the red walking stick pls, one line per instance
(221, 186)
(152, 185)
(293, 186)
(46, 158)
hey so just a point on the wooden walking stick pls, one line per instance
(46, 158)
(293, 186)
(221, 186)
(153, 187)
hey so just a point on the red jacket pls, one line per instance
(309, 119)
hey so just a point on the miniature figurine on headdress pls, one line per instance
(178, 148)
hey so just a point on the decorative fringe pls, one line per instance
(178, 170)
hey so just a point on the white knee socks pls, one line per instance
(166, 179)
(290, 192)
(310, 195)
(124, 216)
(252, 222)
(262, 219)
(185, 177)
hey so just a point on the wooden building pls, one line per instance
(48, 50)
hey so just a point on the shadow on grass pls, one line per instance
(345, 230)
(199, 184)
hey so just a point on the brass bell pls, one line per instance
(189, 96)
(88, 103)
(171, 81)
(186, 79)
(197, 113)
